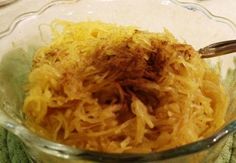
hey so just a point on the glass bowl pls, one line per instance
(189, 22)
(6, 2)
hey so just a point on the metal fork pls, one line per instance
(218, 49)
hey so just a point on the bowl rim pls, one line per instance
(188, 5)
(66, 152)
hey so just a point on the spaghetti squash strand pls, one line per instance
(109, 88)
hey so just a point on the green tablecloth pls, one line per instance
(12, 149)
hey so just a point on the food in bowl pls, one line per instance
(118, 89)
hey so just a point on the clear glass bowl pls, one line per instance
(187, 21)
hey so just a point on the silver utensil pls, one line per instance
(218, 49)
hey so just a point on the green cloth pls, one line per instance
(225, 155)
(12, 150)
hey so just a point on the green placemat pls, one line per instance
(12, 149)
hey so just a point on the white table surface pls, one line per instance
(224, 8)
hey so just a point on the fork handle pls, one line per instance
(218, 49)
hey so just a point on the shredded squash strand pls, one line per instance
(108, 88)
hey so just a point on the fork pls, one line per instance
(218, 49)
